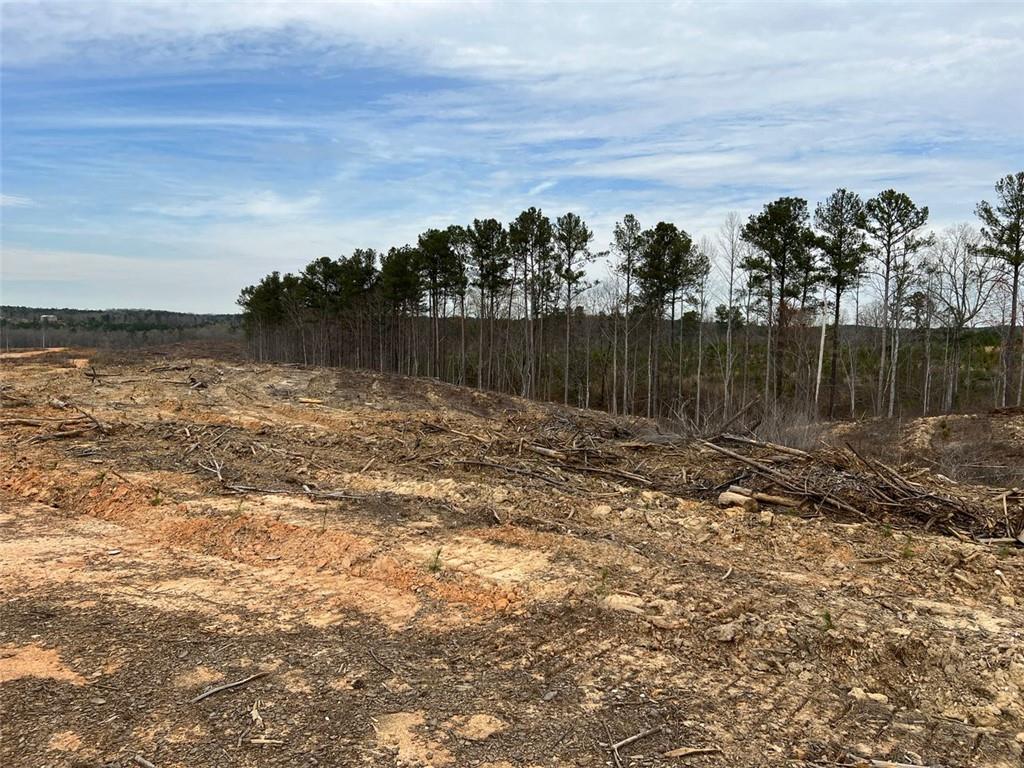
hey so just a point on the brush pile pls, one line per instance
(75, 422)
(586, 454)
(844, 481)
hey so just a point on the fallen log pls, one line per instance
(782, 480)
(551, 454)
(765, 498)
(741, 490)
(765, 444)
(730, 499)
(61, 435)
(776, 501)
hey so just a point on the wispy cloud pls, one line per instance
(15, 201)
(543, 186)
(259, 205)
(79, 122)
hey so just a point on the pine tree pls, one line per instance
(661, 271)
(783, 242)
(530, 237)
(627, 242)
(841, 221)
(491, 263)
(1003, 231)
(572, 240)
(892, 221)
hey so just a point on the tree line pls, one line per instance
(110, 328)
(853, 308)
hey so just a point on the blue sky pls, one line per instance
(164, 155)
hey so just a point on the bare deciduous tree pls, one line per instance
(966, 278)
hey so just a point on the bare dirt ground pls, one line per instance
(426, 580)
(973, 447)
(22, 354)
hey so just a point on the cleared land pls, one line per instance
(435, 576)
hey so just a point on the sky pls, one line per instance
(165, 155)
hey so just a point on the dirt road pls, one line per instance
(423, 586)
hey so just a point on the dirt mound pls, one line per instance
(981, 448)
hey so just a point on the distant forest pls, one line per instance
(111, 328)
(853, 308)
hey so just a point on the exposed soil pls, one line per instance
(29, 353)
(426, 588)
(973, 447)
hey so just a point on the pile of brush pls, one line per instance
(842, 480)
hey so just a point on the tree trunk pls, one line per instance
(462, 351)
(885, 328)
(586, 390)
(480, 348)
(528, 352)
(727, 383)
(671, 329)
(625, 348)
(768, 366)
(953, 375)
(568, 325)
(895, 368)
(490, 343)
(821, 360)
(852, 382)
(650, 368)
(926, 388)
(700, 360)
(778, 342)
(615, 361)
(833, 374)
(1020, 376)
(1011, 338)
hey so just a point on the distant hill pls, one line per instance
(115, 328)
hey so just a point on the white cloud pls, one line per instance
(15, 201)
(142, 121)
(543, 186)
(259, 205)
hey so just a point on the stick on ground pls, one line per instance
(637, 737)
(228, 686)
(691, 751)
(381, 663)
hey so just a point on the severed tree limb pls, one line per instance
(608, 472)
(691, 751)
(778, 501)
(765, 444)
(306, 491)
(229, 686)
(215, 467)
(330, 494)
(736, 417)
(781, 479)
(550, 453)
(381, 663)
(99, 425)
(61, 435)
(626, 742)
(38, 422)
(515, 471)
